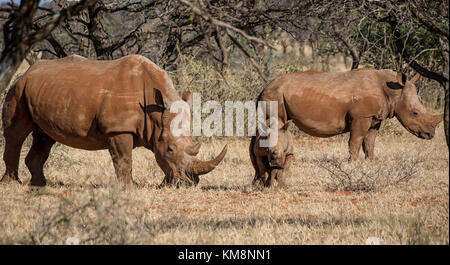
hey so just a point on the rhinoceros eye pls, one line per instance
(415, 114)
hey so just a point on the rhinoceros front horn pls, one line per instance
(203, 167)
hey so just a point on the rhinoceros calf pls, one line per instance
(272, 163)
(87, 104)
(327, 104)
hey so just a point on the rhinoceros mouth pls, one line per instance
(192, 179)
(179, 181)
(422, 135)
(426, 135)
(276, 162)
(418, 134)
(276, 167)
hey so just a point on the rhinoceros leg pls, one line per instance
(273, 173)
(262, 173)
(358, 131)
(287, 164)
(256, 179)
(120, 147)
(36, 157)
(15, 135)
(369, 142)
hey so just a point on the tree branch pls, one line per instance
(57, 18)
(427, 22)
(222, 24)
(413, 63)
(251, 59)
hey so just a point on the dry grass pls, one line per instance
(82, 200)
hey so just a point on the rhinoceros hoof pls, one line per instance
(38, 183)
(7, 179)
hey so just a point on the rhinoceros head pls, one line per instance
(176, 154)
(410, 112)
(276, 152)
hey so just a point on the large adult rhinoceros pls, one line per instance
(326, 104)
(88, 104)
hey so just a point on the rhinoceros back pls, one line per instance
(78, 101)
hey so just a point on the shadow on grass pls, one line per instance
(245, 188)
(164, 226)
(242, 188)
(154, 186)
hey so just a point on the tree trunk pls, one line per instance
(446, 114)
(444, 51)
(59, 50)
(170, 53)
(84, 48)
(8, 68)
(15, 30)
(100, 38)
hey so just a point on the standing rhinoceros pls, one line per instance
(87, 104)
(272, 163)
(327, 104)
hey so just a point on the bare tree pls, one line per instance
(20, 33)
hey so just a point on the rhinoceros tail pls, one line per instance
(14, 105)
(285, 109)
(17, 125)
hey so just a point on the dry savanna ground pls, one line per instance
(402, 198)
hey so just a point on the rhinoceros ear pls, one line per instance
(401, 78)
(400, 84)
(394, 85)
(415, 78)
(287, 125)
(159, 99)
(188, 97)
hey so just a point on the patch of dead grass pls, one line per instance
(82, 200)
